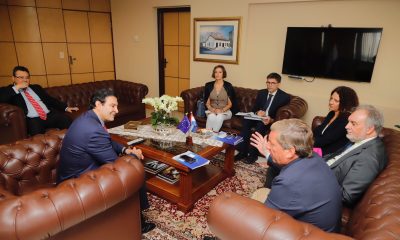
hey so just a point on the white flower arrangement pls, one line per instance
(164, 103)
(163, 106)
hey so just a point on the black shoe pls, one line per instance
(250, 160)
(147, 227)
(209, 238)
(240, 156)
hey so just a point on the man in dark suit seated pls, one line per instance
(268, 102)
(305, 188)
(87, 144)
(356, 165)
(39, 107)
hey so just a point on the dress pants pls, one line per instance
(54, 119)
(244, 146)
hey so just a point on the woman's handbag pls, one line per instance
(201, 108)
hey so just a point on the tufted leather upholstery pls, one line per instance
(130, 106)
(245, 98)
(101, 204)
(376, 216)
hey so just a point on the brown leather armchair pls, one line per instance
(130, 106)
(376, 216)
(101, 204)
(245, 98)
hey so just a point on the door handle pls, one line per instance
(71, 60)
(165, 63)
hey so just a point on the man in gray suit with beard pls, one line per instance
(356, 166)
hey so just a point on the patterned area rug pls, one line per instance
(174, 224)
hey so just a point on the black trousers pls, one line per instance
(54, 119)
(247, 130)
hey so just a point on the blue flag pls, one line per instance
(184, 125)
(193, 123)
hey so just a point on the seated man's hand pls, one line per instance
(267, 120)
(135, 151)
(261, 113)
(259, 142)
(70, 109)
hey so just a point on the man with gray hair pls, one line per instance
(356, 166)
(305, 188)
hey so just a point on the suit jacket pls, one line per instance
(358, 168)
(280, 99)
(86, 146)
(307, 190)
(8, 95)
(334, 137)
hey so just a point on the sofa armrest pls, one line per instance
(317, 120)
(296, 108)
(132, 92)
(190, 97)
(12, 123)
(46, 212)
(234, 217)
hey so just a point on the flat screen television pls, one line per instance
(330, 52)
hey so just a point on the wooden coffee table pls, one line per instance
(193, 184)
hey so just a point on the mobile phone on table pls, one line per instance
(188, 159)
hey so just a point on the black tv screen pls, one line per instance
(339, 53)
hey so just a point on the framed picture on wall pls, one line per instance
(216, 39)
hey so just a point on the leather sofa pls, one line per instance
(130, 106)
(246, 99)
(101, 204)
(376, 216)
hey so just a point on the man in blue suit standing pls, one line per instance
(87, 145)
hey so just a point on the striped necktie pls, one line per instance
(42, 114)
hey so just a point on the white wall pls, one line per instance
(262, 39)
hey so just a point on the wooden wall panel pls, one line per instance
(55, 64)
(76, 4)
(31, 56)
(25, 25)
(184, 62)
(59, 80)
(104, 76)
(51, 25)
(5, 81)
(171, 84)
(184, 28)
(22, 2)
(76, 26)
(5, 26)
(100, 27)
(171, 20)
(41, 80)
(82, 78)
(49, 3)
(102, 57)
(100, 5)
(81, 58)
(171, 54)
(8, 58)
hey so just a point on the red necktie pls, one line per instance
(36, 106)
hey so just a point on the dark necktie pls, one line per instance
(268, 101)
(42, 114)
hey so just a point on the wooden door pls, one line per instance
(174, 51)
